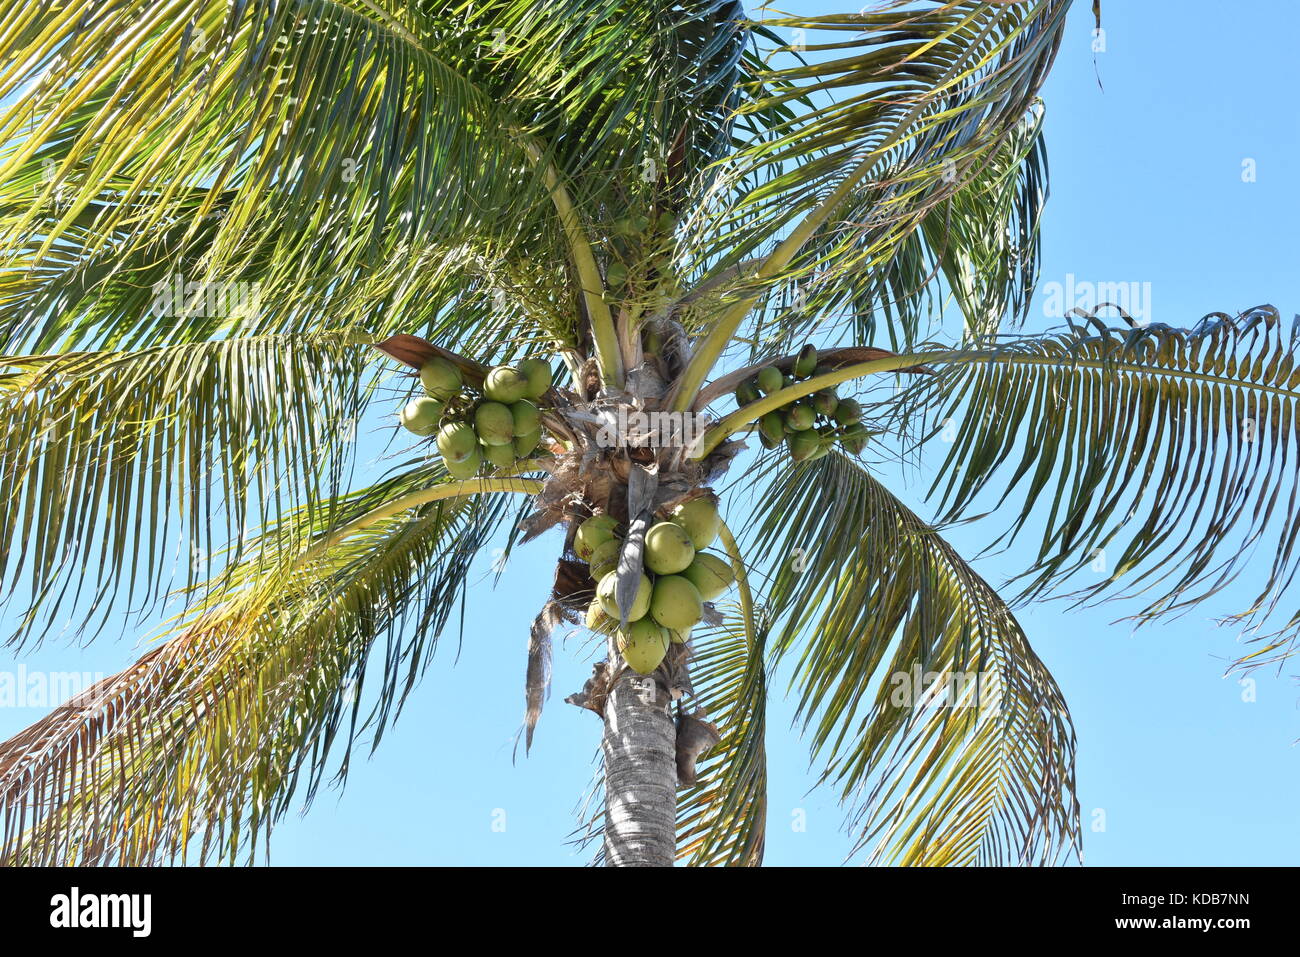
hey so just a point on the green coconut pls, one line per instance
(699, 516)
(526, 416)
(668, 548)
(747, 392)
(769, 380)
(440, 378)
(772, 426)
(848, 412)
(675, 603)
(825, 402)
(593, 533)
(679, 637)
(640, 604)
(803, 445)
(806, 362)
(494, 424)
(598, 621)
(605, 558)
(467, 467)
(505, 384)
(800, 416)
(767, 441)
(710, 575)
(501, 456)
(421, 416)
(854, 438)
(643, 645)
(539, 376)
(525, 445)
(457, 441)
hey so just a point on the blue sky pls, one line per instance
(1177, 765)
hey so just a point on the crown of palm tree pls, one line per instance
(209, 211)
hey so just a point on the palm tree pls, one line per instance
(210, 212)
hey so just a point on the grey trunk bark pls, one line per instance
(640, 775)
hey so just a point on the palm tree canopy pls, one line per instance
(460, 179)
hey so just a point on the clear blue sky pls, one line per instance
(1173, 764)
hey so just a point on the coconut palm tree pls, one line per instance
(229, 226)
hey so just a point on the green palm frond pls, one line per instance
(196, 751)
(338, 119)
(191, 442)
(982, 241)
(986, 235)
(308, 147)
(921, 100)
(971, 766)
(722, 820)
(1167, 453)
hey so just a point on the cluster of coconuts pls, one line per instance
(810, 426)
(679, 578)
(492, 429)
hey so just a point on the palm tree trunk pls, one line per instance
(640, 775)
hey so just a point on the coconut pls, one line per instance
(710, 575)
(526, 444)
(747, 392)
(457, 441)
(772, 427)
(643, 645)
(825, 402)
(597, 620)
(769, 380)
(768, 442)
(668, 548)
(700, 518)
(605, 558)
(421, 416)
(539, 376)
(675, 602)
(494, 424)
(467, 467)
(854, 438)
(502, 456)
(440, 378)
(806, 362)
(526, 417)
(679, 637)
(803, 445)
(800, 416)
(593, 533)
(848, 412)
(505, 384)
(640, 605)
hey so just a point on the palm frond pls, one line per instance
(936, 721)
(201, 440)
(722, 820)
(1166, 454)
(930, 97)
(197, 750)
